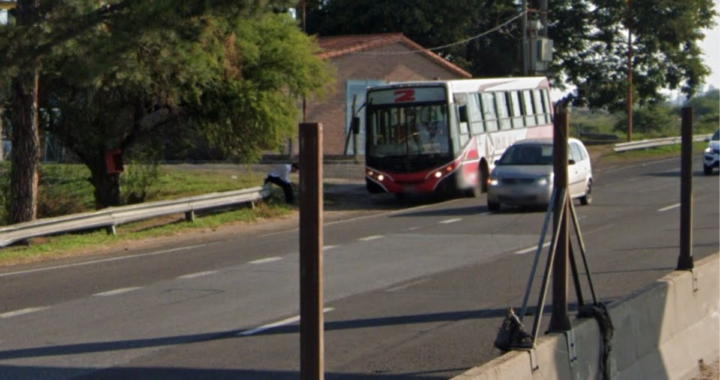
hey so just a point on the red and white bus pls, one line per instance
(444, 136)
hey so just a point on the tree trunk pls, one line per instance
(2, 142)
(25, 159)
(106, 186)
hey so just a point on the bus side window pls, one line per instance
(475, 113)
(516, 108)
(528, 110)
(548, 106)
(540, 110)
(503, 113)
(489, 114)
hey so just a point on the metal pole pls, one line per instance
(630, 74)
(562, 198)
(311, 248)
(544, 18)
(543, 232)
(524, 43)
(685, 262)
(583, 254)
(559, 320)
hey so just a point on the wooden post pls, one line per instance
(559, 321)
(685, 261)
(311, 248)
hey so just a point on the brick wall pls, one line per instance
(367, 66)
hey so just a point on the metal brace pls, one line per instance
(572, 353)
(533, 361)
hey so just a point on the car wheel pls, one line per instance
(587, 198)
(707, 169)
(493, 206)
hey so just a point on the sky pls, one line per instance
(711, 46)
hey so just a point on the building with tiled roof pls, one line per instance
(366, 60)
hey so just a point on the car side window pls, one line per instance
(575, 152)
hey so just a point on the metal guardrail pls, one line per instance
(112, 217)
(644, 144)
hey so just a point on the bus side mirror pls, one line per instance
(355, 125)
(462, 110)
(571, 162)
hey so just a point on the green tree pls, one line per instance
(97, 47)
(590, 39)
(236, 81)
(653, 121)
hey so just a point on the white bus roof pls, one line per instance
(473, 85)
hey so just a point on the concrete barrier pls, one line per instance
(660, 333)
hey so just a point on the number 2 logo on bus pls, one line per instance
(405, 95)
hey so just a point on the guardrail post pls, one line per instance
(559, 321)
(111, 230)
(685, 261)
(190, 216)
(311, 247)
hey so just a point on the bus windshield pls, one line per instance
(408, 130)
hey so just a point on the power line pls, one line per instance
(483, 34)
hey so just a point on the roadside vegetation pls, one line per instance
(66, 190)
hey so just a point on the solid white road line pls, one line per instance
(374, 237)
(22, 312)
(116, 292)
(276, 324)
(265, 261)
(669, 207)
(199, 274)
(531, 249)
(448, 221)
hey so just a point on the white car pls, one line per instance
(711, 157)
(523, 176)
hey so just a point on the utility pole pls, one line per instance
(630, 73)
(524, 43)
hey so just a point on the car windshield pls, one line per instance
(527, 154)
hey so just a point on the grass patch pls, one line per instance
(660, 152)
(65, 189)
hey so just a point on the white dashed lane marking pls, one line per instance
(448, 221)
(669, 207)
(276, 324)
(374, 237)
(116, 292)
(199, 274)
(22, 312)
(531, 249)
(265, 261)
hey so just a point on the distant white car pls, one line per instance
(524, 174)
(711, 157)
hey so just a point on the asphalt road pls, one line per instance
(411, 293)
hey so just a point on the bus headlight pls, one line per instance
(438, 174)
(370, 173)
(493, 181)
(380, 177)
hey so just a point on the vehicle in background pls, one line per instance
(711, 156)
(443, 136)
(523, 176)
